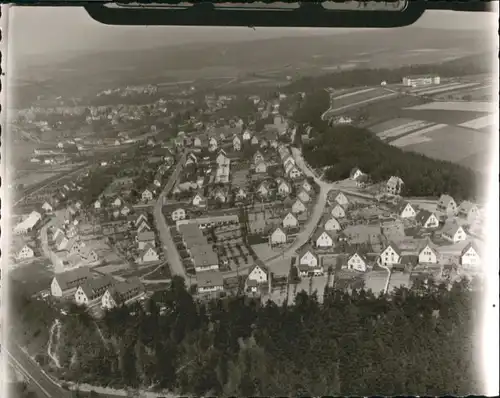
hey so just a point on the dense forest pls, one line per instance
(415, 341)
(343, 147)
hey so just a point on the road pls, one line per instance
(43, 385)
(171, 253)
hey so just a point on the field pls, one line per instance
(486, 107)
(35, 276)
(359, 98)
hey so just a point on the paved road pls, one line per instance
(171, 253)
(39, 381)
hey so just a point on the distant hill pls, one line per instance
(95, 71)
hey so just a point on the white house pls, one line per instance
(47, 207)
(323, 239)
(240, 194)
(406, 210)
(97, 204)
(143, 226)
(357, 262)
(178, 214)
(288, 161)
(247, 135)
(428, 255)
(332, 225)
(304, 196)
(447, 204)
(117, 202)
(427, 219)
(210, 282)
(261, 167)
(306, 186)
(341, 199)
(25, 252)
(236, 143)
(28, 224)
(469, 258)
(453, 233)
(262, 189)
(298, 207)
(221, 159)
(338, 211)
(148, 254)
(294, 173)
(278, 237)
(92, 290)
(283, 188)
(468, 210)
(390, 255)
(355, 174)
(212, 144)
(394, 185)
(254, 140)
(147, 195)
(66, 283)
(146, 238)
(308, 257)
(198, 200)
(257, 157)
(290, 221)
(258, 273)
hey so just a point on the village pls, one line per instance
(233, 208)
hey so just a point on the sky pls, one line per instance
(53, 31)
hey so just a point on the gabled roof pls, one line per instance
(431, 246)
(306, 248)
(93, 287)
(402, 206)
(423, 216)
(451, 229)
(444, 200)
(394, 247)
(319, 232)
(469, 246)
(145, 236)
(145, 250)
(209, 279)
(361, 255)
(466, 206)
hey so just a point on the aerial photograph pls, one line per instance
(216, 211)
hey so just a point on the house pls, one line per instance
(390, 255)
(92, 290)
(394, 185)
(294, 173)
(453, 233)
(406, 210)
(25, 252)
(212, 144)
(191, 159)
(469, 257)
(58, 232)
(66, 283)
(210, 282)
(178, 214)
(204, 258)
(147, 195)
(257, 158)
(338, 211)
(290, 221)
(236, 143)
(447, 205)
(322, 238)
(146, 238)
(259, 274)
(28, 224)
(357, 262)
(288, 167)
(263, 189)
(304, 196)
(341, 199)
(278, 237)
(306, 186)
(140, 218)
(308, 257)
(219, 194)
(122, 293)
(148, 254)
(261, 167)
(117, 202)
(298, 207)
(254, 140)
(97, 204)
(61, 242)
(221, 159)
(143, 226)
(332, 224)
(355, 174)
(125, 210)
(288, 161)
(283, 188)
(428, 255)
(247, 135)
(468, 210)
(197, 142)
(47, 207)
(88, 255)
(427, 219)
(240, 194)
(75, 246)
(199, 201)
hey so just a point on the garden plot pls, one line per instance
(404, 129)
(457, 106)
(449, 143)
(440, 90)
(480, 122)
(234, 255)
(420, 90)
(361, 99)
(417, 137)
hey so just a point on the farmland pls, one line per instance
(361, 97)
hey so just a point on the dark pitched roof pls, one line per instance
(70, 279)
(94, 288)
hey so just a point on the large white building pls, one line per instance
(427, 80)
